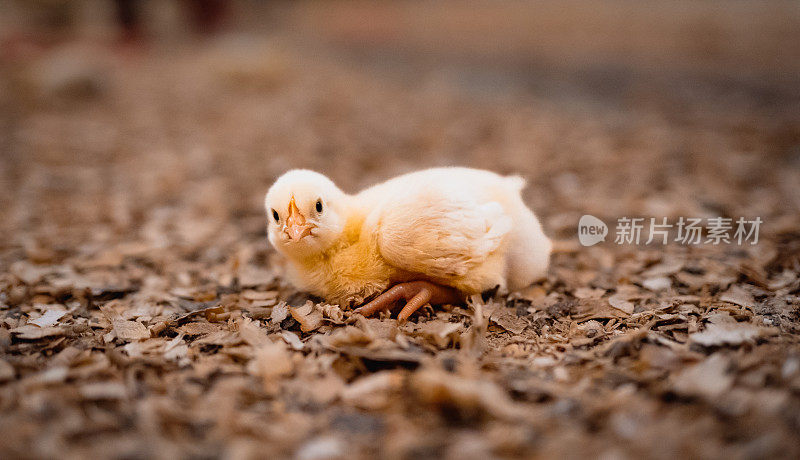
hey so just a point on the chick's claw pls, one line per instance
(415, 293)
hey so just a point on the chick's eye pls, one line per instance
(319, 205)
(275, 215)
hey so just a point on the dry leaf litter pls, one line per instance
(143, 315)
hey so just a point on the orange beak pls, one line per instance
(296, 225)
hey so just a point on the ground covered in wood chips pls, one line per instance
(142, 313)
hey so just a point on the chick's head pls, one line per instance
(305, 213)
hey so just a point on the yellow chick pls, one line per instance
(432, 236)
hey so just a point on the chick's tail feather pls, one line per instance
(516, 182)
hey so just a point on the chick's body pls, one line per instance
(463, 228)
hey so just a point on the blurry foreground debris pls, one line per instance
(142, 314)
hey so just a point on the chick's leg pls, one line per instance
(414, 304)
(415, 293)
(384, 301)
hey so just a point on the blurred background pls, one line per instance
(138, 137)
(114, 112)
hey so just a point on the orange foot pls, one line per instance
(415, 293)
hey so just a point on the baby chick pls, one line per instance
(432, 236)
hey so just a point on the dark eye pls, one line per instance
(319, 205)
(275, 215)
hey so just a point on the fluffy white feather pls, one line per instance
(463, 228)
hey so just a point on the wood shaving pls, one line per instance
(49, 318)
(144, 315)
(130, 330)
(309, 316)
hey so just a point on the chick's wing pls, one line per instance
(440, 233)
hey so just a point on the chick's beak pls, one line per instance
(296, 225)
